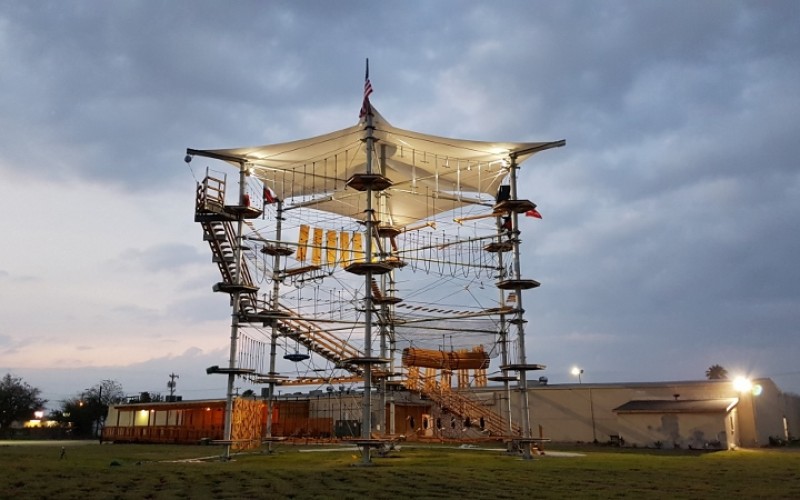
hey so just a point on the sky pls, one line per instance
(669, 240)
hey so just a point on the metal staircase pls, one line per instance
(218, 230)
(463, 407)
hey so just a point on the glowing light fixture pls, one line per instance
(577, 372)
(742, 384)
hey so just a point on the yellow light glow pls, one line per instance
(576, 371)
(742, 384)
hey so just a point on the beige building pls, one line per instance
(686, 414)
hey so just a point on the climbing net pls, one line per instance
(443, 281)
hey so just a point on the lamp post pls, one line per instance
(747, 392)
(577, 372)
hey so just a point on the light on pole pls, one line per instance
(578, 372)
(747, 393)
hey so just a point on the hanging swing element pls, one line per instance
(296, 357)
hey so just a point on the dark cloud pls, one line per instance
(668, 237)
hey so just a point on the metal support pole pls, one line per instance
(274, 306)
(235, 306)
(522, 383)
(505, 403)
(366, 410)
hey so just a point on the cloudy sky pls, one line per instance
(669, 241)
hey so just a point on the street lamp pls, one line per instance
(742, 384)
(748, 391)
(577, 372)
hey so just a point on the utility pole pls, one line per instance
(171, 385)
(100, 409)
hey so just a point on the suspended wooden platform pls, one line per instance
(518, 284)
(518, 206)
(234, 288)
(375, 182)
(446, 360)
(362, 268)
(499, 246)
(523, 368)
(244, 211)
(277, 250)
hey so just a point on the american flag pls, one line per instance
(365, 106)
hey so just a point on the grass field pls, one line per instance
(159, 471)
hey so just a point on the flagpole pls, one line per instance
(366, 407)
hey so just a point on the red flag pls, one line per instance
(269, 198)
(533, 213)
(366, 107)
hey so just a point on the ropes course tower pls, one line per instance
(379, 256)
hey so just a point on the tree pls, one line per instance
(18, 401)
(105, 393)
(87, 410)
(716, 372)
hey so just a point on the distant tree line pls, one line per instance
(18, 401)
(80, 416)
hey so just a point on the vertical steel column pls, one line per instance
(366, 410)
(505, 403)
(274, 306)
(235, 306)
(522, 383)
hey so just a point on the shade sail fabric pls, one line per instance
(429, 174)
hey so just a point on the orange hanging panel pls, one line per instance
(302, 242)
(330, 248)
(316, 248)
(358, 247)
(344, 248)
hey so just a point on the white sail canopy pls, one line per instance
(429, 174)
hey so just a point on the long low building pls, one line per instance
(708, 414)
(685, 414)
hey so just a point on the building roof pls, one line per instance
(678, 406)
(171, 405)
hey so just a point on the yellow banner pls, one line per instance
(330, 250)
(358, 248)
(344, 247)
(302, 242)
(316, 249)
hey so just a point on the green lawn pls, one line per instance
(160, 471)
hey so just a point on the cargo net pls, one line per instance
(319, 244)
(441, 272)
(448, 334)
